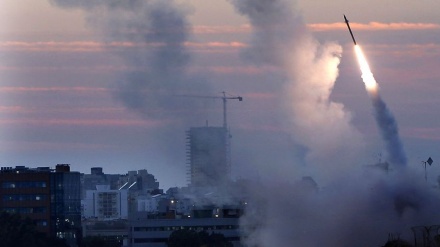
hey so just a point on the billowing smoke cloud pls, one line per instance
(155, 32)
(356, 206)
(316, 123)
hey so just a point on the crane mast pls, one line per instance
(224, 98)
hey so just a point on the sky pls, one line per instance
(66, 92)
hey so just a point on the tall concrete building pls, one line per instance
(208, 156)
(50, 197)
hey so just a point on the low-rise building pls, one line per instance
(154, 232)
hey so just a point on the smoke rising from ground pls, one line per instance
(355, 206)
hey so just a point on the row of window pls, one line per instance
(24, 184)
(24, 197)
(196, 228)
(164, 240)
(26, 210)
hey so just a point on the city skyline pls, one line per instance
(61, 78)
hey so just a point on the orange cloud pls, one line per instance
(423, 133)
(93, 46)
(260, 96)
(75, 46)
(221, 29)
(250, 70)
(405, 51)
(83, 122)
(52, 89)
(12, 109)
(373, 26)
(15, 146)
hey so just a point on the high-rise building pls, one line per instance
(208, 156)
(49, 197)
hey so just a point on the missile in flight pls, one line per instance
(349, 29)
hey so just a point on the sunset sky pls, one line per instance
(61, 77)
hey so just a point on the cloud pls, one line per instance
(221, 29)
(95, 46)
(228, 70)
(54, 89)
(423, 133)
(23, 146)
(84, 122)
(13, 109)
(373, 26)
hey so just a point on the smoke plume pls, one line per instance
(389, 131)
(384, 118)
(156, 32)
(355, 206)
(155, 65)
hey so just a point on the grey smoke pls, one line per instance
(155, 61)
(159, 63)
(389, 131)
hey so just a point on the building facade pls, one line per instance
(208, 156)
(51, 198)
(155, 232)
(105, 203)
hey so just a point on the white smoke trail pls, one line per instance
(384, 118)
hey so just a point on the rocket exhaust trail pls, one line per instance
(384, 118)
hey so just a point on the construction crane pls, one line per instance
(224, 99)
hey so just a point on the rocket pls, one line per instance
(349, 29)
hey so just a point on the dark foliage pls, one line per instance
(191, 238)
(98, 241)
(397, 243)
(18, 232)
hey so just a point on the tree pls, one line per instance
(18, 232)
(184, 238)
(191, 238)
(397, 243)
(218, 240)
(98, 241)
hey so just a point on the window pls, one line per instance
(24, 184)
(24, 197)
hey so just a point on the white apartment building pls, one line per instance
(105, 204)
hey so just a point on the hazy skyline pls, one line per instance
(59, 84)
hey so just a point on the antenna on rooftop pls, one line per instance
(429, 162)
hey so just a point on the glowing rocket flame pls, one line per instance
(367, 76)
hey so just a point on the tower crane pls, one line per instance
(224, 99)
